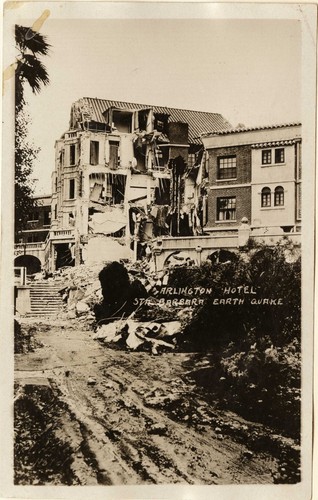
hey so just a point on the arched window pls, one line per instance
(266, 197)
(279, 196)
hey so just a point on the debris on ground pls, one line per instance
(136, 335)
(91, 381)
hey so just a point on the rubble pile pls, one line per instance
(80, 289)
(137, 335)
(120, 303)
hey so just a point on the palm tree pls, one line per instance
(30, 69)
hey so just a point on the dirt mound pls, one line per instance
(24, 338)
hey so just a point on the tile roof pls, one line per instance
(199, 121)
(274, 144)
(249, 129)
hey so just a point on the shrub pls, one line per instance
(263, 269)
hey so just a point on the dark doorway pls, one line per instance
(64, 255)
(32, 264)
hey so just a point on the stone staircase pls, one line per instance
(45, 299)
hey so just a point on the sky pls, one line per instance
(249, 70)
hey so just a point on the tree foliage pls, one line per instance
(31, 71)
(25, 154)
(253, 349)
(267, 272)
(30, 45)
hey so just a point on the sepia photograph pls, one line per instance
(158, 288)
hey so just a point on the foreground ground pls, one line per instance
(87, 414)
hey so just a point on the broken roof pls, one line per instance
(199, 121)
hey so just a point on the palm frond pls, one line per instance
(27, 39)
(34, 72)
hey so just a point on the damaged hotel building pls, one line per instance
(133, 181)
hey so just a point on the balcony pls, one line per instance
(26, 248)
(62, 234)
(71, 134)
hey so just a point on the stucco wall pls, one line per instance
(274, 216)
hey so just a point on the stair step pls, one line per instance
(43, 297)
(46, 302)
(46, 299)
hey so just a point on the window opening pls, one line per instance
(113, 154)
(72, 154)
(226, 167)
(122, 121)
(266, 157)
(72, 189)
(47, 218)
(226, 208)
(280, 155)
(94, 153)
(279, 196)
(266, 197)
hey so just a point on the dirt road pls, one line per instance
(115, 417)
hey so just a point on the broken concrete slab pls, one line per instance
(82, 308)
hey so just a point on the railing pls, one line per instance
(191, 242)
(272, 239)
(170, 243)
(18, 247)
(62, 233)
(71, 135)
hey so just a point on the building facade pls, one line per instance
(120, 178)
(133, 180)
(29, 249)
(255, 175)
(39, 222)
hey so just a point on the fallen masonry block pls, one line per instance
(109, 331)
(146, 335)
(82, 308)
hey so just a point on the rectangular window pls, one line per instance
(113, 154)
(159, 125)
(226, 208)
(62, 157)
(94, 153)
(266, 156)
(280, 155)
(47, 218)
(226, 167)
(72, 189)
(122, 121)
(72, 154)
